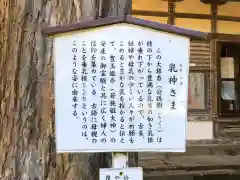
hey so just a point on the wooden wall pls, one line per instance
(200, 56)
(229, 9)
(211, 18)
(192, 6)
(192, 14)
(151, 5)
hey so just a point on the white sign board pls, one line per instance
(121, 174)
(121, 88)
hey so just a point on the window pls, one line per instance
(229, 79)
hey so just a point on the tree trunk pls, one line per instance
(27, 139)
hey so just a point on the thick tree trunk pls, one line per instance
(27, 140)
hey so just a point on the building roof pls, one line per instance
(125, 19)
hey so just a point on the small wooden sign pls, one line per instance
(121, 174)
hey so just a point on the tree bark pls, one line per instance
(27, 129)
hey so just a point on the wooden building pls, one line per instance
(214, 86)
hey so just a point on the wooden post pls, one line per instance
(119, 160)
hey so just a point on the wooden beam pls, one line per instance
(213, 17)
(213, 78)
(228, 18)
(224, 37)
(193, 16)
(150, 13)
(218, 2)
(213, 89)
(184, 15)
(171, 10)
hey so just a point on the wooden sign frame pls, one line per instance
(125, 19)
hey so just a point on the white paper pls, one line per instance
(227, 67)
(167, 127)
(121, 174)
